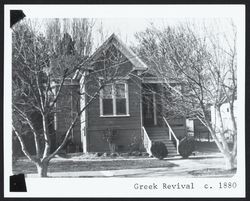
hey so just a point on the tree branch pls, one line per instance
(73, 124)
(24, 149)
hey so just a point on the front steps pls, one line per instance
(161, 134)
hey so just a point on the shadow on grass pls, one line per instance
(193, 158)
(144, 173)
(213, 172)
(27, 167)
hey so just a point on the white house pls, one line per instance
(227, 122)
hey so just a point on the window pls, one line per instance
(107, 100)
(114, 100)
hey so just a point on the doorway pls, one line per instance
(149, 109)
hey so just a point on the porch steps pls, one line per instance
(161, 134)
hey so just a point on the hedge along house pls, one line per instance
(126, 100)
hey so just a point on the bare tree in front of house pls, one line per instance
(38, 78)
(223, 68)
(203, 70)
(40, 70)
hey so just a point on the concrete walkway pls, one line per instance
(184, 166)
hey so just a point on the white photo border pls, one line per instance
(124, 187)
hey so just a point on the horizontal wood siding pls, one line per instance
(128, 126)
(111, 63)
(124, 140)
(200, 131)
(132, 121)
(67, 108)
(180, 132)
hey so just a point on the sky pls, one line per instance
(122, 27)
(126, 28)
(126, 20)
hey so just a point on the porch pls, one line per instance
(157, 124)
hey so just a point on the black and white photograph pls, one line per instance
(125, 101)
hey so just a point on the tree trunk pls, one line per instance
(112, 147)
(42, 169)
(229, 160)
(46, 136)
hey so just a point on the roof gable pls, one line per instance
(138, 64)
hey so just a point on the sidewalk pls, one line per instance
(184, 166)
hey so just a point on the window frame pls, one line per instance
(114, 101)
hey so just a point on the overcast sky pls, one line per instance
(125, 28)
(126, 20)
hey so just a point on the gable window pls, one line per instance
(114, 100)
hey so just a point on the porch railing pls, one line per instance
(146, 141)
(171, 134)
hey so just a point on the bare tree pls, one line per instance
(82, 35)
(38, 80)
(53, 33)
(79, 28)
(222, 68)
(204, 71)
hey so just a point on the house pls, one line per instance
(226, 119)
(129, 102)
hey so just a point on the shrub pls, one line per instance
(110, 136)
(98, 154)
(134, 145)
(124, 154)
(106, 154)
(145, 154)
(186, 147)
(135, 153)
(113, 154)
(159, 150)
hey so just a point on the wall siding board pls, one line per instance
(128, 127)
(123, 140)
(66, 106)
(94, 119)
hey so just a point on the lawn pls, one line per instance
(213, 172)
(64, 165)
(89, 165)
(206, 161)
(208, 147)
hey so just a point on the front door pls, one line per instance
(149, 109)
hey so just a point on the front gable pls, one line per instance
(111, 62)
(114, 43)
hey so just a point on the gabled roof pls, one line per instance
(138, 64)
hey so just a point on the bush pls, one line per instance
(135, 153)
(124, 154)
(159, 150)
(134, 145)
(98, 154)
(113, 154)
(186, 147)
(110, 136)
(145, 154)
(106, 154)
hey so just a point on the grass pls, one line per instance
(208, 147)
(26, 167)
(206, 153)
(218, 172)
